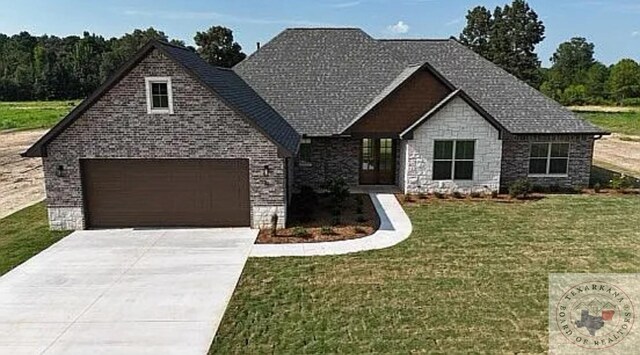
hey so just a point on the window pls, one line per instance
(386, 154)
(159, 95)
(549, 159)
(305, 151)
(368, 162)
(453, 160)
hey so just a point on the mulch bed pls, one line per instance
(349, 227)
(418, 199)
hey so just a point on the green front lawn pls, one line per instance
(33, 114)
(624, 123)
(23, 235)
(472, 277)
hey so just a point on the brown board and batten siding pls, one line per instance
(166, 192)
(416, 96)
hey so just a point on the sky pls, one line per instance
(613, 25)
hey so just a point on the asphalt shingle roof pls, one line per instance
(236, 92)
(320, 80)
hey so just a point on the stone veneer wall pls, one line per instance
(330, 157)
(515, 162)
(456, 121)
(202, 126)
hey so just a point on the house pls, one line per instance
(172, 141)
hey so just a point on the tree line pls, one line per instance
(49, 67)
(508, 37)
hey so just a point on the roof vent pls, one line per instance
(257, 45)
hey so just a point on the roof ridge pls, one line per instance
(168, 44)
(338, 28)
(414, 39)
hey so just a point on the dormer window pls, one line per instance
(159, 95)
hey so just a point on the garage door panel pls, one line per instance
(166, 192)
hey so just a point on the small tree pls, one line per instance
(338, 193)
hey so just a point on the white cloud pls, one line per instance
(635, 34)
(344, 5)
(455, 21)
(399, 28)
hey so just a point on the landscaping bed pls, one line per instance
(315, 221)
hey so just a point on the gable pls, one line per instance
(404, 106)
(456, 117)
(118, 124)
(222, 83)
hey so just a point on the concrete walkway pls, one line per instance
(395, 227)
(123, 292)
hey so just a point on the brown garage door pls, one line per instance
(166, 192)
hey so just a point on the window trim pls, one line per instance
(453, 159)
(302, 161)
(157, 80)
(548, 159)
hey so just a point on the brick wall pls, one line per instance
(456, 121)
(330, 157)
(515, 163)
(202, 126)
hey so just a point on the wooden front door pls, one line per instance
(377, 161)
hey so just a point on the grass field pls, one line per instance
(23, 235)
(33, 114)
(471, 278)
(623, 123)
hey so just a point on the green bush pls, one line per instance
(326, 230)
(458, 195)
(439, 195)
(300, 232)
(520, 188)
(494, 194)
(621, 182)
(597, 187)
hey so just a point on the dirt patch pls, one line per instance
(21, 179)
(619, 151)
(318, 226)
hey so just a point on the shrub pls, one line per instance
(621, 182)
(300, 232)
(439, 195)
(338, 191)
(458, 195)
(422, 196)
(494, 194)
(597, 187)
(475, 194)
(520, 188)
(326, 230)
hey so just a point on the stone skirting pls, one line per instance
(65, 218)
(261, 216)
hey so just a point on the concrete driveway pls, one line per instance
(123, 292)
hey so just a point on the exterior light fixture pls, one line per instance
(266, 171)
(60, 171)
